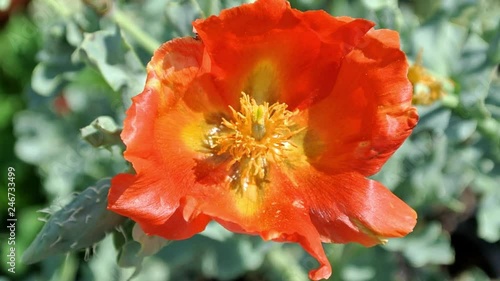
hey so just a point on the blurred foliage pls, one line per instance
(66, 64)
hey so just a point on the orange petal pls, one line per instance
(167, 123)
(137, 198)
(350, 208)
(273, 213)
(159, 215)
(284, 56)
(306, 206)
(165, 133)
(178, 227)
(368, 112)
(354, 98)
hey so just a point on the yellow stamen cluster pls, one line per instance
(427, 88)
(254, 137)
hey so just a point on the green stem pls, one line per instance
(69, 268)
(450, 101)
(131, 28)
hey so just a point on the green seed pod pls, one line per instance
(80, 224)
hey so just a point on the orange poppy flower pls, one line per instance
(269, 123)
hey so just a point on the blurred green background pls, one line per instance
(65, 63)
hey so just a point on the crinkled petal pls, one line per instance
(368, 114)
(302, 204)
(349, 84)
(137, 197)
(167, 123)
(159, 215)
(170, 72)
(164, 133)
(350, 208)
(275, 212)
(285, 56)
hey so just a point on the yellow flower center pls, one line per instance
(256, 136)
